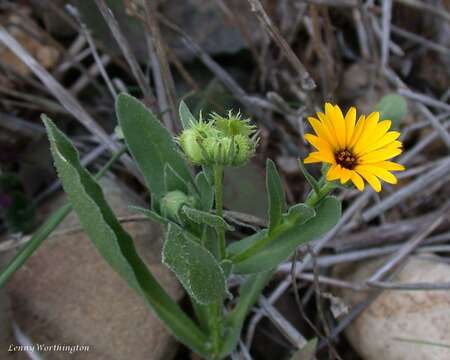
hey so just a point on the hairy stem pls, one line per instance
(218, 177)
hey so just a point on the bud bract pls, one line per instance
(224, 141)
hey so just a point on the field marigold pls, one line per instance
(355, 150)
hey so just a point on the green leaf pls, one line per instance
(243, 189)
(113, 242)
(206, 191)
(278, 246)
(299, 214)
(277, 201)
(311, 180)
(152, 215)
(150, 143)
(392, 107)
(249, 294)
(44, 231)
(173, 181)
(209, 240)
(195, 267)
(227, 266)
(186, 117)
(307, 352)
(203, 217)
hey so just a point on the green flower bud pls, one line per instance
(224, 141)
(173, 201)
(233, 125)
(245, 148)
(191, 141)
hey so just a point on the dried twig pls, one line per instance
(70, 103)
(93, 48)
(126, 50)
(386, 31)
(411, 189)
(305, 78)
(165, 87)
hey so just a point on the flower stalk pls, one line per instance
(218, 193)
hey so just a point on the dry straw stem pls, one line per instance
(165, 87)
(69, 102)
(306, 80)
(427, 7)
(94, 51)
(386, 31)
(126, 50)
(232, 86)
(420, 184)
(291, 333)
(445, 136)
(402, 253)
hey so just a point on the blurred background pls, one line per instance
(376, 287)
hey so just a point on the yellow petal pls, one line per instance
(322, 131)
(333, 122)
(379, 155)
(350, 121)
(386, 140)
(321, 156)
(346, 175)
(334, 172)
(340, 125)
(370, 178)
(380, 172)
(368, 133)
(318, 143)
(389, 165)
(358, 131)
(311, 159)
(357, 180)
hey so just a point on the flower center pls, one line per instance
(346, 159)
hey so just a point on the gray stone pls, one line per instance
(67, 294)
(417, 315)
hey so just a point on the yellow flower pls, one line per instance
(355, 150)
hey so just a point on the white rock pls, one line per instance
(418, 315)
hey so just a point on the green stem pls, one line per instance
(215, 317)
(218, 177)
(314, 198)
(215, 309)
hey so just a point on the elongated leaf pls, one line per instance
(173, 181)
(299, 214)
(186, 117)
(392, 107)
(311, 180)
(203, 217)
(249, 294)
(150, 143)
(277, 202)
(152, 215)
(280, 245)
(206, 191)
(195, 267)
(44, 231)
(112, 242)
(209, 240)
